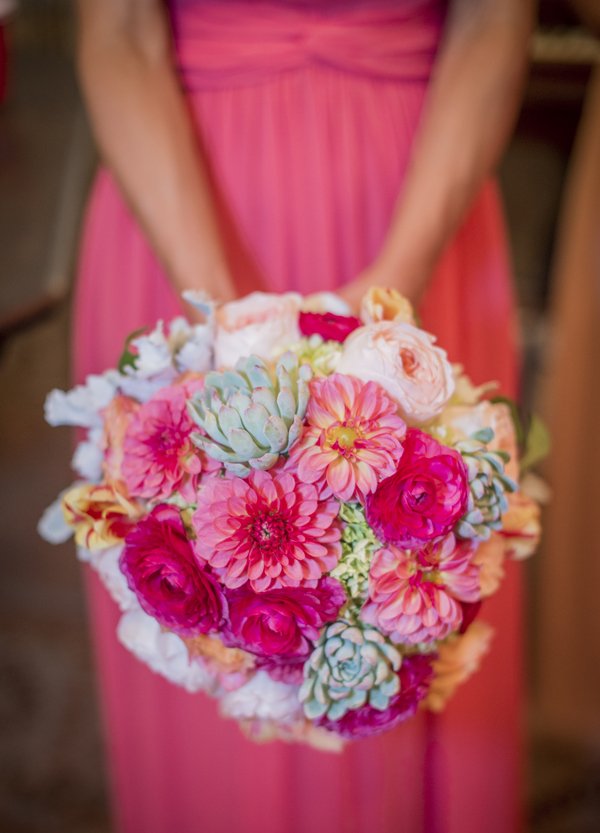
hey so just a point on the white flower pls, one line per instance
(88, 457)
(263, 698)
(196, 354)
(164, 653)
(261, 324)
(404, 360)
(52, 526)
(153, 354)
(106, 563)
(82, 405)
(325, 302)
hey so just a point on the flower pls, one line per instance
(269, 529)
(282, 624)
(358, 545)
(351, 666)
(405, 362)
(325, 302)
(521, 527)
(352, 439)
(165, 653)
(262, 698)
(159, 457)
(329, 326)
(88, 457)
(101, 515)
(414, 675)
(163, 572)
(117, 418)
(489, 557)
(415, 597)
(457, 660)
(463, 421)
(259, 324)
(83, 404)
(425, 496)
(379, 304)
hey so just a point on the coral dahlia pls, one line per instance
(353, 437)
(415, 596)
(269, 530)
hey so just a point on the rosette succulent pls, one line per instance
(352, 665)
(488, 486)
(251, 415)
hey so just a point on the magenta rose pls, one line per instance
(163, 572)
(425, 497)
(282, 625)
(329, 326)
(415, 676)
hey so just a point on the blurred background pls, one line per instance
(51, 773)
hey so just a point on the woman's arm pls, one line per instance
(471, 104)
(145, 135)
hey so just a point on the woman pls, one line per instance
(303, 145)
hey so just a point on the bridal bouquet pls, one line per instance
(298, 511)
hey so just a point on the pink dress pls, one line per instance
(307, 112)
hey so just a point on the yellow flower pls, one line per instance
(489, 557)
(457, 660)
(227, 660)
(521, 526)
(379, 304)
(100, 515)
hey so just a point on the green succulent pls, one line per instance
(252, 414)
(488, 486)
(352, 665)
(358, 545)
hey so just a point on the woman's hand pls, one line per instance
(146, 137)
(471, 104)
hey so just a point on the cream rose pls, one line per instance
(405, 361)
(261, 324)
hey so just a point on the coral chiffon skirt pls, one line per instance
(306, 114)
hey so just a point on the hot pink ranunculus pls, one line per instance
(416, 596)
(159, 457)
(415, 676)
(165, 575)
(269, 530)
(329, 326)
(424, 498)
(282, 624)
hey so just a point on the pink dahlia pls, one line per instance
(416, 597)
(329, 326)
(159, 457)
(165, 575)
(424, 498)
(270, 530)
(353, 437)
(415, 676)
(282, 624)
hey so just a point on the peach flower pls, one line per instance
(405, 361)
(458, 659)
(380, 304)
(100, 515)
(261, 324)
(521, 526)
(464, 420)
(117, 417)
(489, 557)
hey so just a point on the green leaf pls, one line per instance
(128, 358)
(537, 443)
